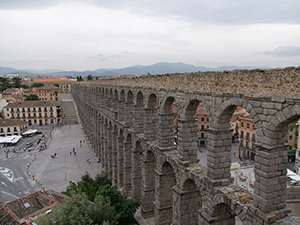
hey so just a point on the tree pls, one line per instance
(87, 185)
(79, 78)
(31, 97)
(124, 206)
(56, 85)
(16, 82)
(101, 188)
(89, 77)
(37, 85)
(79, 210)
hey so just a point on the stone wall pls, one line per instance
(284, 81)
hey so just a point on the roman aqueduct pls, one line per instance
(130, 125)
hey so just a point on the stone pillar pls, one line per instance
(163, 204)
(121, 107)
(102, 143)
(270, 179)
(219, 156)
(138, 119)
(150, 124)
(136, 174)
(187, 140)
(148, 187)
(186, 206)
(114, 159)
(166, 129)
(105, 151)
(109, 152)
(128, 114)
(120, 162)
(127, 168)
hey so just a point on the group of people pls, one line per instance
(74, 152)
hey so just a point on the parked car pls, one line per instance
(28, 145)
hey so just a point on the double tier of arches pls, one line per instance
(132, 132)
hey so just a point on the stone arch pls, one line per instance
(188, 132)
(128, 109)
(271, 162)
(166, 122)
(187, 202)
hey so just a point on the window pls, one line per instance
(202, 135)
(207, 126)
(291, 137)
(253, 137)
(248, 136)
(202, 127)
(247, 144)
(202, 118)
(291, 129)
(8, 129)
(253, 127)
(2, 130)
(242, 124)
(207, 119)
(248, 125)
(242, 134)
(242, 143)
(15, 129)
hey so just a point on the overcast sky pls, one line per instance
(94, 34)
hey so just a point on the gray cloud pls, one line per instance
(204, 11)
(284, 51)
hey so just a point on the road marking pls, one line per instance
(8, 173)
(4, 184)
(10, 194)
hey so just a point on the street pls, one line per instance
(14, 182)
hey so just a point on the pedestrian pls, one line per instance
(75, 153)
(89, 161)
(98, 160)
(73, 150)
(80, 145)
(70, 152)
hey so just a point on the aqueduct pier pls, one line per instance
(130, 125)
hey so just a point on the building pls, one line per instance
(64, 83)
(297, 164)
(247, 137)
(292, 140)
(28, 208)
(203, 125)
(47, 92)
(10, 127)
(34, 112)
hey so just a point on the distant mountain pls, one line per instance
(158, 68)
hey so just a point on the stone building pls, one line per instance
(129, 123)
(64, 83)
(47, 92)
(34, 112)
(12, 127)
